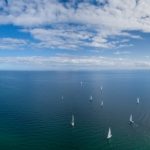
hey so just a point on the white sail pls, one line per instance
(109, 134)
(102, 103)
(138, 100)
(72, 121)
(81, 83)
(101, 88)
(131, 119)
(62, 97)
(91, 98)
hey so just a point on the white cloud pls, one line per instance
(147, 56)
(12, 43)
(72, 37)
(122, 52)
(115, 18)
(69, 38)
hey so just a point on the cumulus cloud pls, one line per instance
(115, 14)
(72, 38)
(99, 21)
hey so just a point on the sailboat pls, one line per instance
(131, 119)
(72, 121)
(101, 88)
(138, 100)
(102, 103)
(91, 98)
(62, 97)
(81, 83)
(109, 134)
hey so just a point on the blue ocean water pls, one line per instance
(34, 117)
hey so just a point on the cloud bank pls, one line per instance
(71, 63)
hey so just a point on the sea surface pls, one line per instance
(33, 116)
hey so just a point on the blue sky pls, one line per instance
(74, 34)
